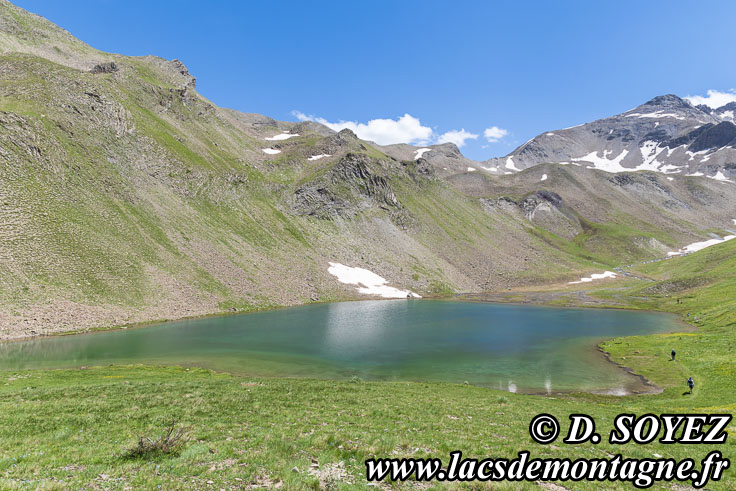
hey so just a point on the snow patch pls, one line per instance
(649, 153)
(368, 282)
(510, 164)
(694, 154)
(720, 177)
(320, 156)
(271, 151)
(418, 154)
(544, 177)
(669, 169)
(670, 178)
(604, 163)
(550, 134)
(282, 136)
(472, 169)
(656, 114)
(595, 276)
(699, 246)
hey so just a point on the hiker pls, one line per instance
(673, 355)
(691, 384)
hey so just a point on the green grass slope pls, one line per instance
(72, 428)
(702, 288)
(127, 197)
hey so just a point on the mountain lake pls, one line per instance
(522, 348)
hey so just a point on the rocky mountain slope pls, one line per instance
(445, 159)
(126, 196)
(726, 112)
(666, 134)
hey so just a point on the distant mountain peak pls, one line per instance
(666, 134)
(449, 149)
(668, 100)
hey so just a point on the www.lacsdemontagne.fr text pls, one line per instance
(642, 473)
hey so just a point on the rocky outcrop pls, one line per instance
(349, 186)
(544, 209)
(342, 139)
(338, 143)
(311, 127)
(721, 135)
(108, 67)
(191, 82)
(424, 168)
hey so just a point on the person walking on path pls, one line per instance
(673, 355)
(691, 384)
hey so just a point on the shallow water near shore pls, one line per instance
(520, 348)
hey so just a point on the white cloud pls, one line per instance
(714, 99)
(494, 133)
(301, 116)
(457, 137)
(406, 129)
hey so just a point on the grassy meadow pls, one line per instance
(78, 428)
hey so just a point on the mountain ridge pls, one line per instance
(128, 197)
(665, 134)
(21, 33)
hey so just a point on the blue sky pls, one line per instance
(521, 67)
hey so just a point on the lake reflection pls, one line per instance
(509, 347)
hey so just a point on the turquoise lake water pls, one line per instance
(511, 347)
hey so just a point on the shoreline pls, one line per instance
(655, 389)
(645, 382)
(649, 387)
(456, 297)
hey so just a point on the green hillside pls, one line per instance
(128, 197)
(72, 428)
